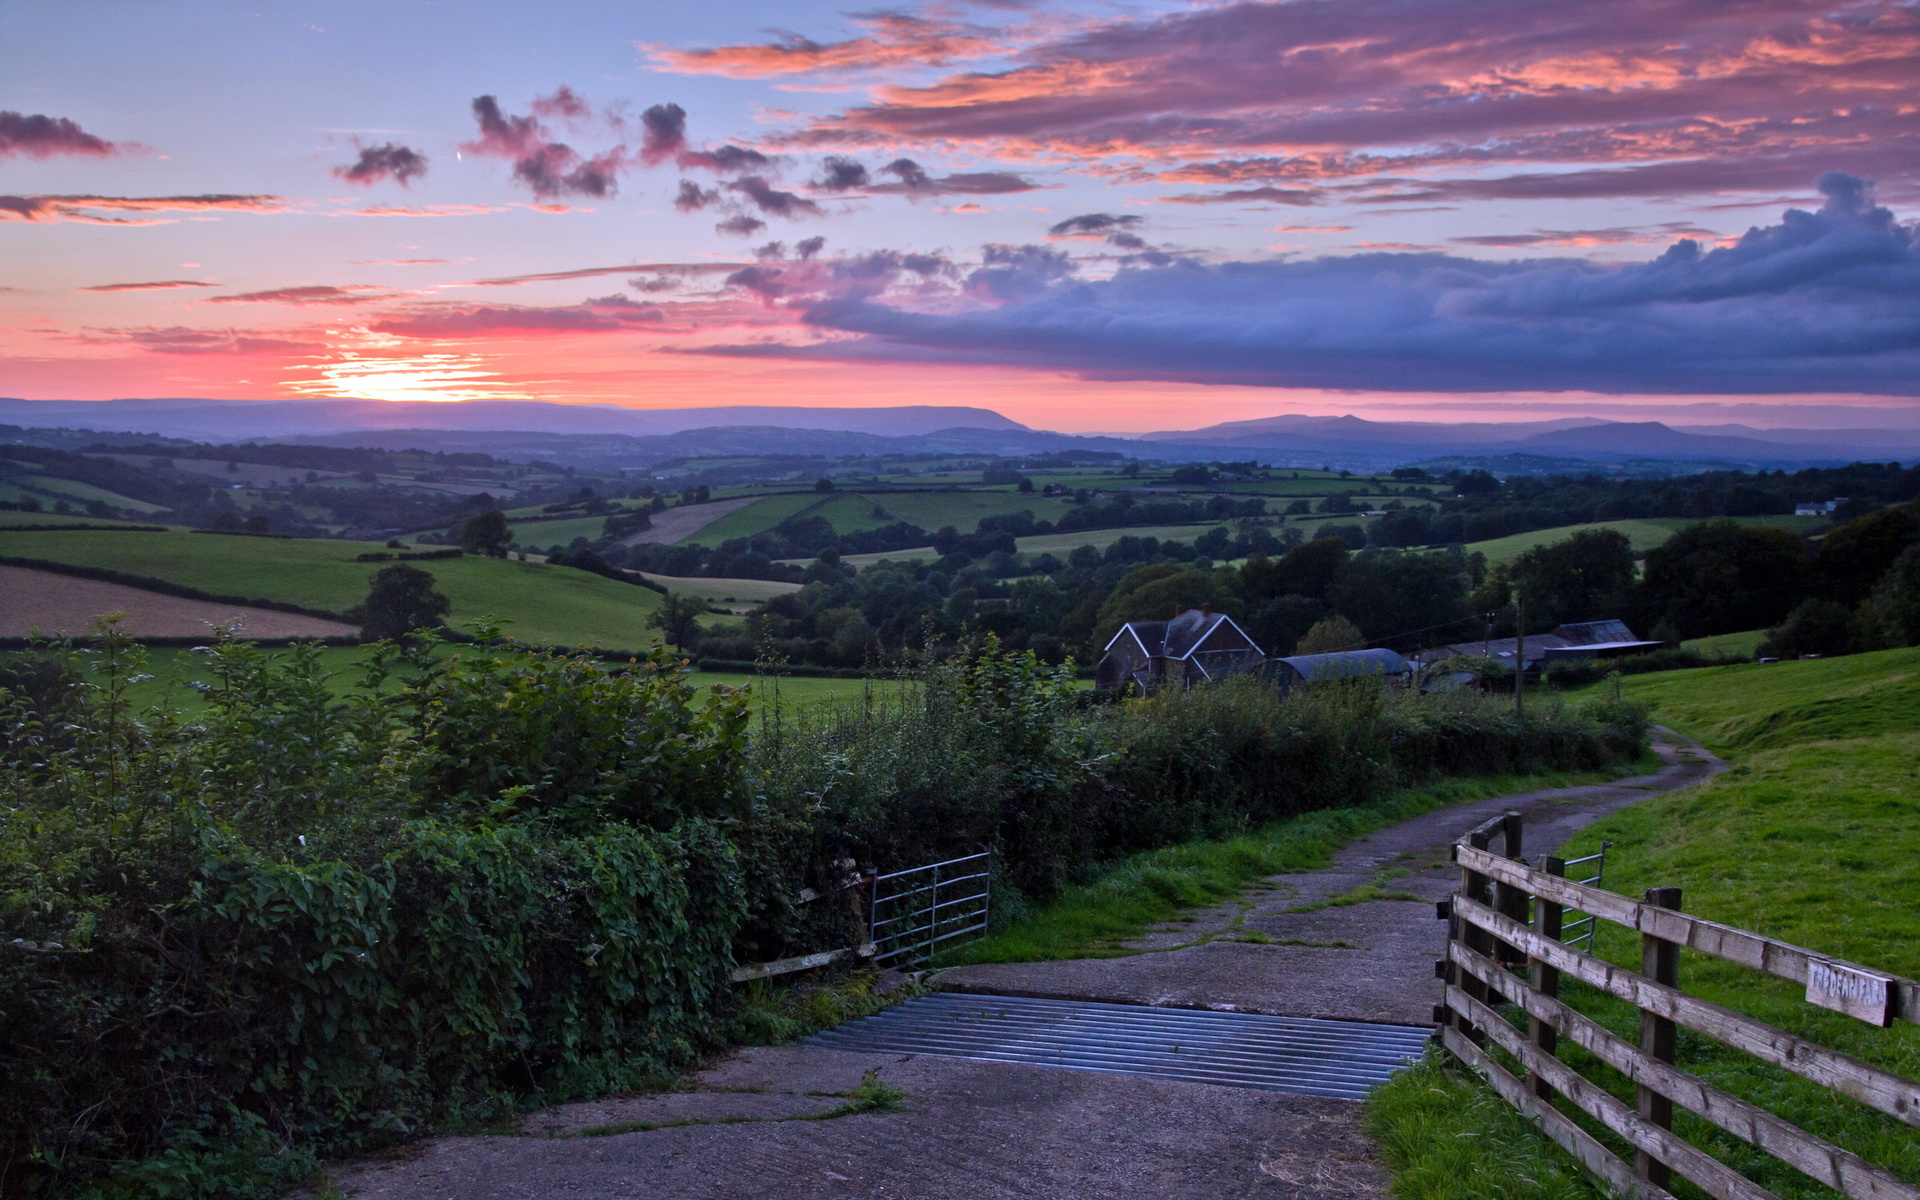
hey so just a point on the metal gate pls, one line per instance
(913, 913)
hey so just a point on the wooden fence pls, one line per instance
(1507, 916)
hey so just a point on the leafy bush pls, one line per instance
(488, 879)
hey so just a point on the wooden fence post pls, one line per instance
(1477, 887)
(1660, 962)
(1544, 979)
(1508, 900)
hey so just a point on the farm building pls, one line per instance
(1344, 664)
(1196, 646)
(1583, 641)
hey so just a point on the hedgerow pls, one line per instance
(284, 924)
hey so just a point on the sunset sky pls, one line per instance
(1088, 216)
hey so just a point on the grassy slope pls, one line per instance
(963, 510)
(1059, 544)
(552, 605)
(47, 518)
(83, 492)
(761, 515)
(1813, 838)
(1727, 645)
(1644, 534)
(558, 533)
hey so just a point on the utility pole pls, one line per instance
(1519, 654)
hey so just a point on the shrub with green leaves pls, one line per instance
(486, 879)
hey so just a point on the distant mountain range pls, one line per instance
(243, 420)
(607, 435)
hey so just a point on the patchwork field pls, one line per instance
(548, 605)
(45, 604)
(738, 595)
(737, 519)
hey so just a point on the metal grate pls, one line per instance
(1581, 931)
(1341, 1059)
(914, 912)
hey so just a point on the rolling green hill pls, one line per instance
(548, 605)
(763, 514)
(1644, 534)
(963, 510)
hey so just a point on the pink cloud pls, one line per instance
(606, 314)
(1744, 96)
(893, 39)
(310, 295)
(158, 285)
(83, 209)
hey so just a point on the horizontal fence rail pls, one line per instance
(1508, 915)
(918, 912)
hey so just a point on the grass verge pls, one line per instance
(1814, 838)
(1096, 919)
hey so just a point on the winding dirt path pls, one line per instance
(761, 1123)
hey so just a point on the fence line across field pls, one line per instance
(1507, 917)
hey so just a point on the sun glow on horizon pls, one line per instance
(433, 378)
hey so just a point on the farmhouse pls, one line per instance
(1196, 646)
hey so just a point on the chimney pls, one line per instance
(1178, 609)
(1206, 610)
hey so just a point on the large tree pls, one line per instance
(1719, 577)
(1587, 577)
(402, 599)
(678, 619)
(486, 533)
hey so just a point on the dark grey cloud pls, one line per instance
(664, 133)
(838, 174)
(36, 135)
(914, 180)
(692, 197)
(1825, 301)
(664, 138)
(549, 168)
(807, 248)
(740, 226)
(769, 199)
(391, 160)
(1298, 197)
(1095, 224)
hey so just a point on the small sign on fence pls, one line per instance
(1855, 991)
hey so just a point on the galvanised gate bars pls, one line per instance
(1507, 918)
(914, 913)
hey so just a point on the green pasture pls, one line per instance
(740, 592)
(48, 518)
(1057, 544)
(1644, 534)
(763, 514)
(1814, 838)
(539, 603)
(47, 485)
(963, 510)
(558, 533)
(1727, 645)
